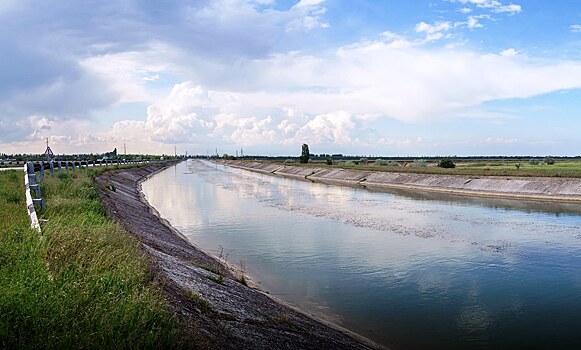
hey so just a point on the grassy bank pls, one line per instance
(86, 284)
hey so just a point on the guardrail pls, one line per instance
(32, 181)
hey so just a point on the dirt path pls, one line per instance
(223, 313)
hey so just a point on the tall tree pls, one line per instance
(305, 153)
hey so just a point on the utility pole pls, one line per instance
(175, 151)
(124, 149)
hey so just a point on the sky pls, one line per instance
(393, 78)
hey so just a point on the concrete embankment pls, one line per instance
(533, 188)
(204, 292)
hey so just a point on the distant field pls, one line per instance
(488, 167)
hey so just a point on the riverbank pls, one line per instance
(208, 296)
(528, 188)
(83, 283)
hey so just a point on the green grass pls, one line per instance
(202, 304)
(85, 284)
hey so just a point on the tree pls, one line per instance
(305, 153)
(446, 163)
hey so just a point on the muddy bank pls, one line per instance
(207, 295)
(549, 189)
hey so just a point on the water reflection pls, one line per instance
(406, 269)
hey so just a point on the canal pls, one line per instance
(408, 270)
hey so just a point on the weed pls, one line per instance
(287, 321)
(284, 319)
(242, 280)
(203, 305)
(216, 278)
(14, 198)
(209, 268)
(86, 285)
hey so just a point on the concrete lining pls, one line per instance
(534, 188)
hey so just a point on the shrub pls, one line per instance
(380, 162)
(549, 160)
(420, 163)
(533, 161)
(363, 161)
(446, 163)
(329, 160)
(289, 161)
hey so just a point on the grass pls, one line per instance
(561, 168)
(201, 304)
(210, 268)
(216, 278)
(242, 280)
(86, 284)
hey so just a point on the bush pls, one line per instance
(446, 163)
(363, 161)
(534, 161)
(381, 162)
(289, 161)
(420, 163)
(329, 160)
(549, 160)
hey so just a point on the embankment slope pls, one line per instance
(531, 188)
(223, 313)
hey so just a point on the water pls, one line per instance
(406, 269)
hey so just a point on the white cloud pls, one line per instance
(329, 128)
(356, 85)
(437, 27)
(575, 28)
(473, 22)
(493, 5)
(511, 9)
(509, 52)
(126, 72)
(501, 141)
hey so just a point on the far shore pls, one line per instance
(555, 189)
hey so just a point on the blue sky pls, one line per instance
(440, 77)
